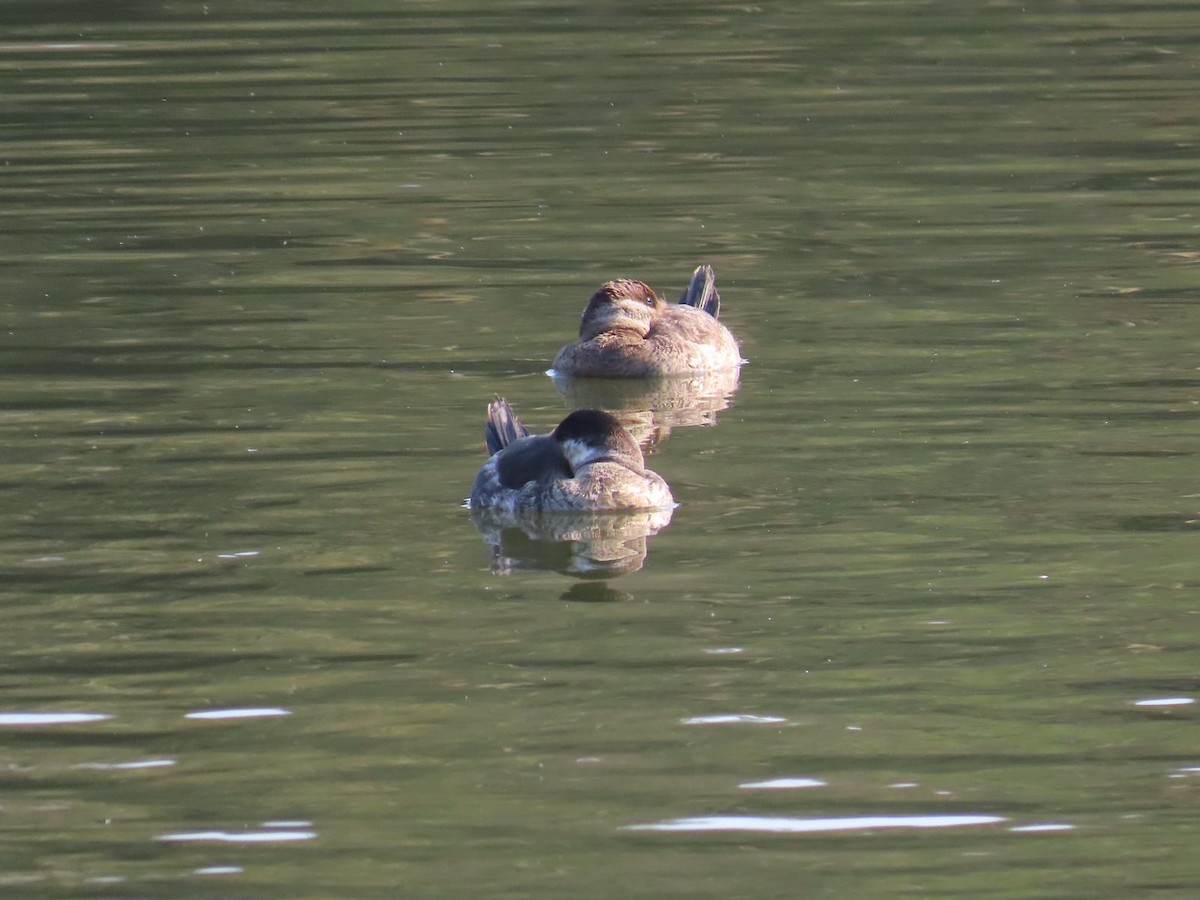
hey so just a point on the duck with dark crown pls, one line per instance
(628, 331)
(589, 463)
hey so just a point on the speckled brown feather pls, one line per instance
(627, 331)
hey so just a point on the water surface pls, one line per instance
(923, 622)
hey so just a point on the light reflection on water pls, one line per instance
(50, 718)
(248, 713)
(139, 764)
(785, 825)
(1165, 701)
(239, 837)
(774, 784)
(733, 719)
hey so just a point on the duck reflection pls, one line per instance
(584, 545)
(594, 592)
(650, 408)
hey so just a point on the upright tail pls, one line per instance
(503, 427)
(702, 292)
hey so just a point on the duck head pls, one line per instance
(621, 305)
(591, 435)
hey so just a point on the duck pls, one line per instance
(588, 463)
(628, 331)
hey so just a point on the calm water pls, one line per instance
(263, 266)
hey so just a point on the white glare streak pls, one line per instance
(139, 764)
(733, 718)
(236, 713)
(240, 837)
(1165, 701)
(782, 784)
(50, 718)
(783, 825)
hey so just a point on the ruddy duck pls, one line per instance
(588, 463)
(628, 331)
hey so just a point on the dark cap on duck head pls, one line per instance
(590, 435)
(592, 425)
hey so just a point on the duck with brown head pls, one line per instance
(628, 331)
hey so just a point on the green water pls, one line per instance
(264, 265)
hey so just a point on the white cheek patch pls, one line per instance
(580, 453)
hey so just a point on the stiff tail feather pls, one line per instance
(702, 292)
(503, 427)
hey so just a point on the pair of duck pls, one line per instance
(590, 462)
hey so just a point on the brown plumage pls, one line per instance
(588, 463)
(628, 331)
